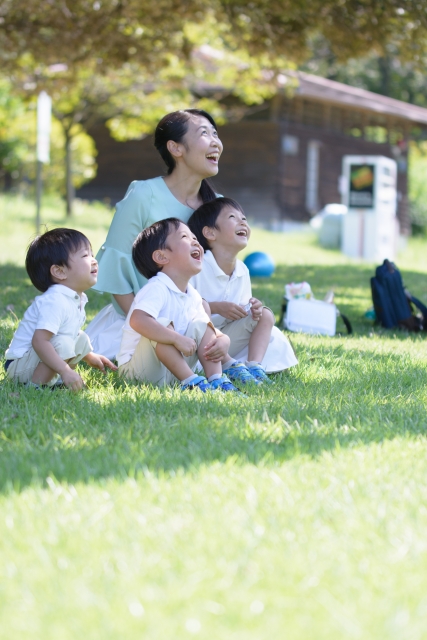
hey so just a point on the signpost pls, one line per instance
(44, 110)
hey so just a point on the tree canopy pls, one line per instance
(129, 61)
(118, 31)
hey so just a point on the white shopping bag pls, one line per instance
(311, 316)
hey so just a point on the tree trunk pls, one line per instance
(68, 174)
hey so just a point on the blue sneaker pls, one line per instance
(238, 372)
(198, 383)
(224, 384)
(258, 372)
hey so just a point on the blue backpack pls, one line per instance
(393, 303)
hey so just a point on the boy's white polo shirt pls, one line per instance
(59, 309)
(216, 286)
(162, 300)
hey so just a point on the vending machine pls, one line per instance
(368, 187)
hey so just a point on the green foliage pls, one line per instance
(388, 71)
(418, 187)
(14, 129)
(18, 144)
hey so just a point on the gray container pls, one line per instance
(329, 223)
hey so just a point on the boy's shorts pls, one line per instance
(145, 365)
(239, 332)
(22, 369)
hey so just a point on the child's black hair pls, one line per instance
(150, 240)
(52, 247)
(206, 216)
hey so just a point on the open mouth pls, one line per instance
(196, 254)
(243, 233)
(214, 157)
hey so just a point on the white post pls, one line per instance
(44, 110)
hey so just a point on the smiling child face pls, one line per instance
(233, 228)
(82, 270)
(184, 253)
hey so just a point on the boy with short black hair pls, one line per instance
(167, 329)
(223, 231)
(49, 342)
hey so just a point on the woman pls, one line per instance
(189, 144)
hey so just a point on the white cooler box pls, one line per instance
(311, 316)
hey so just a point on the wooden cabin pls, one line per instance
(284, 161)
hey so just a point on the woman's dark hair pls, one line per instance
(174, 126)
(148, 241)
(206, 216)
(53, 247)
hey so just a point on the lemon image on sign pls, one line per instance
(362, 178)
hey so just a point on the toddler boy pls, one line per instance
(167, 329)
(223, 231)
(49, 342)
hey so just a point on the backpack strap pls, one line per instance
(418, 304)
(282, 312)
(346, 322)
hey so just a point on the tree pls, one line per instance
(131, 98)
(98, 58)
(119, 31)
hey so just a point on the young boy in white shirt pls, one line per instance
(224, 282)
(167, 329)
(49, 342)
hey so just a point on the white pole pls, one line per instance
(44, 110)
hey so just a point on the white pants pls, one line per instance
(22, 369)
(146, 366)
(105, 332)
(279, 355)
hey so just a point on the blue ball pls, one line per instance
(260, 264)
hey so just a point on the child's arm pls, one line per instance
(97, 361)
(228, 310)
(148, 327)
(47, 354)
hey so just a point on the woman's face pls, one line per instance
(201, 147)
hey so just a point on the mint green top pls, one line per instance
(145, 202)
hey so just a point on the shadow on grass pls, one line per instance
(338, 397)
(96, 436)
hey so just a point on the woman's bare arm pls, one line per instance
(124, 301)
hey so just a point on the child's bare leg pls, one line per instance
(173, 360)
(260, 337)
(44, 374)
(210, 368)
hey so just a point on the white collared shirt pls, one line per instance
(216, 286)
(59, 309)
(162, 300)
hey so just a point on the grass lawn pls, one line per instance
(128, 512)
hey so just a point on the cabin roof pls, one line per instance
(338, 93)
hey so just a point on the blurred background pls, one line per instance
(294, 87)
